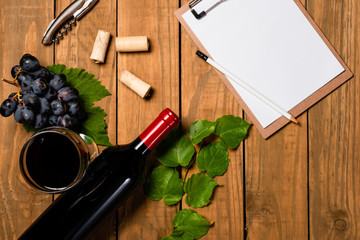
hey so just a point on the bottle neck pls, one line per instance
(159, 128)
(140, 147)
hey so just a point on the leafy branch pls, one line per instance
(177, 151)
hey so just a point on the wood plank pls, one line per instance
(276, 183)
(21, 29)
(204, 96)
(334, 164)
(74, 51)
(142, 218)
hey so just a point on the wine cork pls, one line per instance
(132, 44)
(134, 83)
(100, 46)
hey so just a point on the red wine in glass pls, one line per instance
(55, 159)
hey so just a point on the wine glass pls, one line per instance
(54, 159)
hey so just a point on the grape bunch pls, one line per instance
(43, 99)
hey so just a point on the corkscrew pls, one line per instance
(67, 18)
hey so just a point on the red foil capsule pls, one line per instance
(159, 128)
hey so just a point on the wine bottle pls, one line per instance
(108, 182)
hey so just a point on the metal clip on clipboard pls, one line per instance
(203, 13)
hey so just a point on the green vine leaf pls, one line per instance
(176, 149)
(188, 225)
(200, 129)
(29, 128)
(231, 130)
(213, 159)
(164, 183)
(199, 188)
(90, 90)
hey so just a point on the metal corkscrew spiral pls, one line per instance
(67, 18)
(64, 30)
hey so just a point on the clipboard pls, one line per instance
(304, 104)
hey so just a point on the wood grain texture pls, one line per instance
(74, 51)
(142, 218)
(20, 204)
(334, 164)
(204, 96)
(302, 183)
(276, 183)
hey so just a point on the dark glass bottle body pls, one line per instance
(110, 179)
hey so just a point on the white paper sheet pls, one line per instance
(270, 45)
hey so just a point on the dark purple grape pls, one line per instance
(11, 95)
(51, 94)
(73, 107)
(40, 121)
(53, 120)
(68, 121)
(28, 115)
(29, 63)
(31, 100)
(67, 94)
(58, 81)
(14, 97)
(42, 72)
(8, 107)
(15, 69)
(52, 74)
(25, 76)
(81, 116)
(44, 106)
(23, 92)
(76, 109)
(39, 86)
(18, 114)
(25, 81)
(58, 107)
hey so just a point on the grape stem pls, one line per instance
(18, 96)
(11, 82)
(19, 71)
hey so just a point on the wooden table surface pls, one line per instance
(302, 183)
